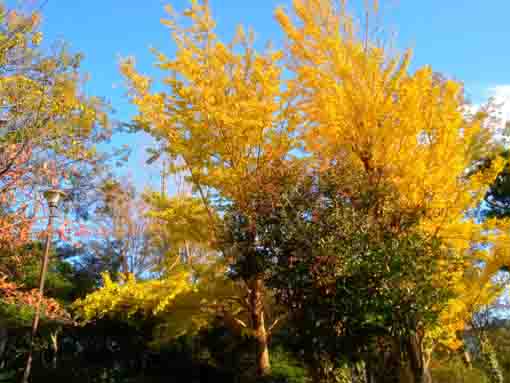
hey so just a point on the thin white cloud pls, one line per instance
(501, 92)
(500, 96)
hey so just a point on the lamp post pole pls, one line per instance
(52, 196)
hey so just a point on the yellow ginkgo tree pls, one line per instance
(364, 112)
(224, 119)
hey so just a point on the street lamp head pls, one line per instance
(53, 197)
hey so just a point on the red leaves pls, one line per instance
(61, 232)
(15, 226)
(13, 294)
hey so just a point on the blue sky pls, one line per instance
(467, 39)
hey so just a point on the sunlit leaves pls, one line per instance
(223, 113)
(50, 128)
(398, 142)
(364, 112)
(131, 296)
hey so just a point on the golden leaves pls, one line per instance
(223, 104)
(129, 296)
(37, 38)
(362, 108)
(232, 121)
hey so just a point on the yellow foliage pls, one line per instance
(41, 97)
(363, 110)
(225, 116)
(181, 306)
(231, 122)
(184, 218)
(129, 296)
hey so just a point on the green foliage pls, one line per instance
(13, 315)
(7, 376)
(227, 351)
(59, 278)
(351, 272)
(498, 196)
(500, 341)
(490, 361)
(287, 368)
(348, 236)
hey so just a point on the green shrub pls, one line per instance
(7, 376)
(455, 371)
(286, 368)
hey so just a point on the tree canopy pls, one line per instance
(338, 205)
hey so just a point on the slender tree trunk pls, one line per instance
(4, 337)
(427, 376)
(467, 358)
(189, 261)
(259, 327)
(54, 347)
(124, 263)
(415, 359)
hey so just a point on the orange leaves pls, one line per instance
(44, 115)
(13, 18)
(35, 18)
(11, 293)
(14, 226)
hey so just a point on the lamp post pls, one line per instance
(52, 196)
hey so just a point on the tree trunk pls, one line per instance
(427, 357)
(259, 327)
(4, 336)
(417, 365)
(54, 347)
(400, 360)
(414, 359)
(124, 263)
(467, 358)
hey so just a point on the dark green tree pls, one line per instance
(354, 272)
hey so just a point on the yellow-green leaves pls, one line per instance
(129, 296)
(182, 307)
(184, 218)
